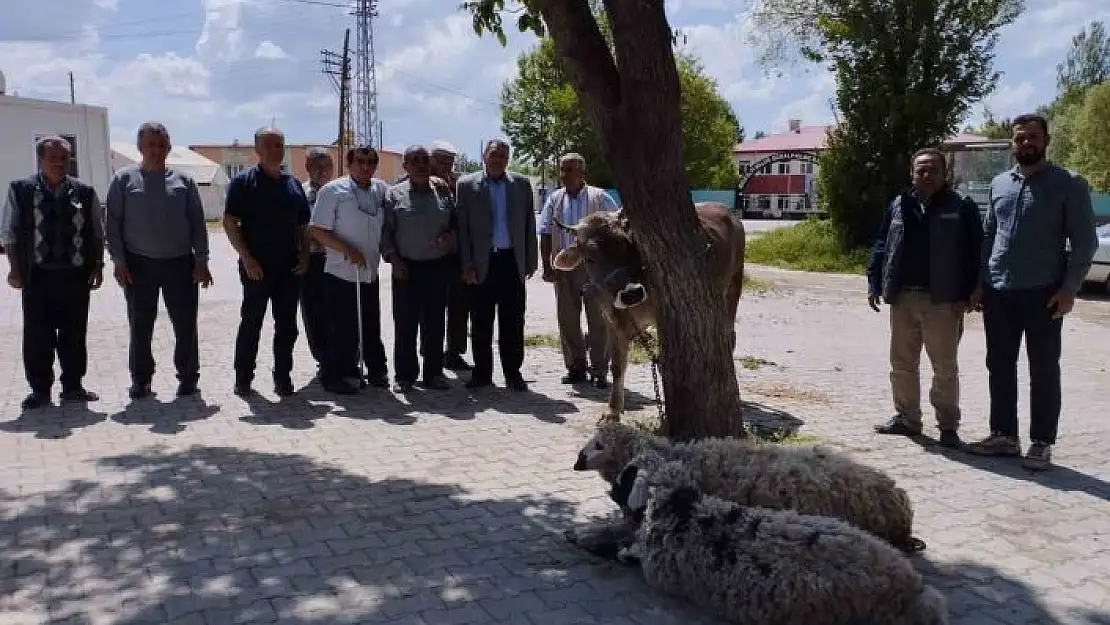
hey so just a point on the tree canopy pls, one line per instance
(541, 115)
(900, 87)
(1091, 155)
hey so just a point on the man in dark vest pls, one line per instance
(925, 265)
(53, 234)
(314, 299)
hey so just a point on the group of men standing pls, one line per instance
(935, 260)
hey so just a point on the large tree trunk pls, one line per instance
(637, 115)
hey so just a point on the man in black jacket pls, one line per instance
(925, 265)
(53, 234)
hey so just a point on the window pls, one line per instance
(784, 202)
(764, 202)
(807, 168)
(74, 170)
(784, 168)
(233, 169)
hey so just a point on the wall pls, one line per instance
(234, 158)
(24, 119)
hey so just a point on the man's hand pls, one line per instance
(444, 241)
(123, 275)
(976, 301)
(96, 277)
(548, 274)
(1062, 302)
(301, 267)
(353, 256)
(202, 276)
(15, 280)
(470, 276)
(873, 300)
(251, 267)
(400, 271)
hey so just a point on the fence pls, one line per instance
(1101, 201)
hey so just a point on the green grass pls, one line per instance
(636, 354)
(652, 425)
(809, 246)
(757, 285)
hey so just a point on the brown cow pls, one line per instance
(616, 276)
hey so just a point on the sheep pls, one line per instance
(808, 479)
(760, 566)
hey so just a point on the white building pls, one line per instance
(208, 174)
(24, 120)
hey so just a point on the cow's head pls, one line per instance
(613, 267)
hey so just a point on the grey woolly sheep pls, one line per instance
(807, 479)
(766, 567)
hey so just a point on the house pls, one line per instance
(236, 156)
(778, 172)
(208, 174)
(25, 120)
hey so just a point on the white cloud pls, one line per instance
(270, 51)
(726, 54)
(221, 37)
(1047, 26)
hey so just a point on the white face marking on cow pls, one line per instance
(631, 296)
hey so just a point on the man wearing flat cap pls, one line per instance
(458, 302)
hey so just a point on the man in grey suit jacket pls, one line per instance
(497, 252)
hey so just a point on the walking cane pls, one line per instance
(358, 305)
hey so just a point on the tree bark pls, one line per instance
(636, 112)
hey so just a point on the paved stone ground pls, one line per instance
(447, 508)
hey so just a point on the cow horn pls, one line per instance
(570, 229)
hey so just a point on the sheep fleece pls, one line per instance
(776, 567)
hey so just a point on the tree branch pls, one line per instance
(584, 52)
(644, 49)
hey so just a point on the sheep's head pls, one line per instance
(611, 448)
(646, 476)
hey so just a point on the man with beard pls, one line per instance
(1029, 285)
(318, 163)
(53, 234)
(416, 240)
(925, 266)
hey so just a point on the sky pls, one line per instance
(215, 70)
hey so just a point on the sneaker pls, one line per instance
(996, 444)
(949, 438)
(898, 426)
(1039, 457)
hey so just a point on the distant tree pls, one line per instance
(1086, 64)
(902, 86)
(759, 134)
(992, 128)
(1092, 143)
(466, 165)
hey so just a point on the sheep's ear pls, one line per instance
(639, 493)
(567, 259)
(591, 456)
(623, 487)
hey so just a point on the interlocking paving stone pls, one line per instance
(447, 507)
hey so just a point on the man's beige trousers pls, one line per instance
(916, 322)
(568, 302)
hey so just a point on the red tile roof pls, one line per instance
(812, 139)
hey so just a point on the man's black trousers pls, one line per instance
(418, 306)
(502, 294)
(55, 320)
(458, 308)
(173, 278)
(314, 307)
(1007, 315)
(279, 288)
(343, 339)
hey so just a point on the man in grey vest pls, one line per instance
(321, 169)
(1029, 286)
(570, 204)
(925, 265)
(159, 244)
(53, 234)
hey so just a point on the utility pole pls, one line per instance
(72, 92)
(366, 75)
(338, 67)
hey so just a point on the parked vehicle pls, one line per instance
(1099, 273)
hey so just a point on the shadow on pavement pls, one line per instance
(166, 417)
(770, 422)
(54, 422)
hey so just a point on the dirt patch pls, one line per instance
(774, 390)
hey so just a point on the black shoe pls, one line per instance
(517, 385)
(479, 383)
(36, 400)
(599, 381)
(378, 380)
(898, 426)
(185, 389)
(284, 388)
(949, 438)
(139, 390)
(437, 383)
(574, 377)
(455, 362)
(243, 389)
(340, 387)
(403, 386)
(79, 393)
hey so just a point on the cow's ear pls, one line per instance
(567, 259)
(622, 219)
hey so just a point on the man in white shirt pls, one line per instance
(570, 204)
(347, 220)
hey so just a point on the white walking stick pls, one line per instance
(358, 306)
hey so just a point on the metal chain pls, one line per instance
(645, 341)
